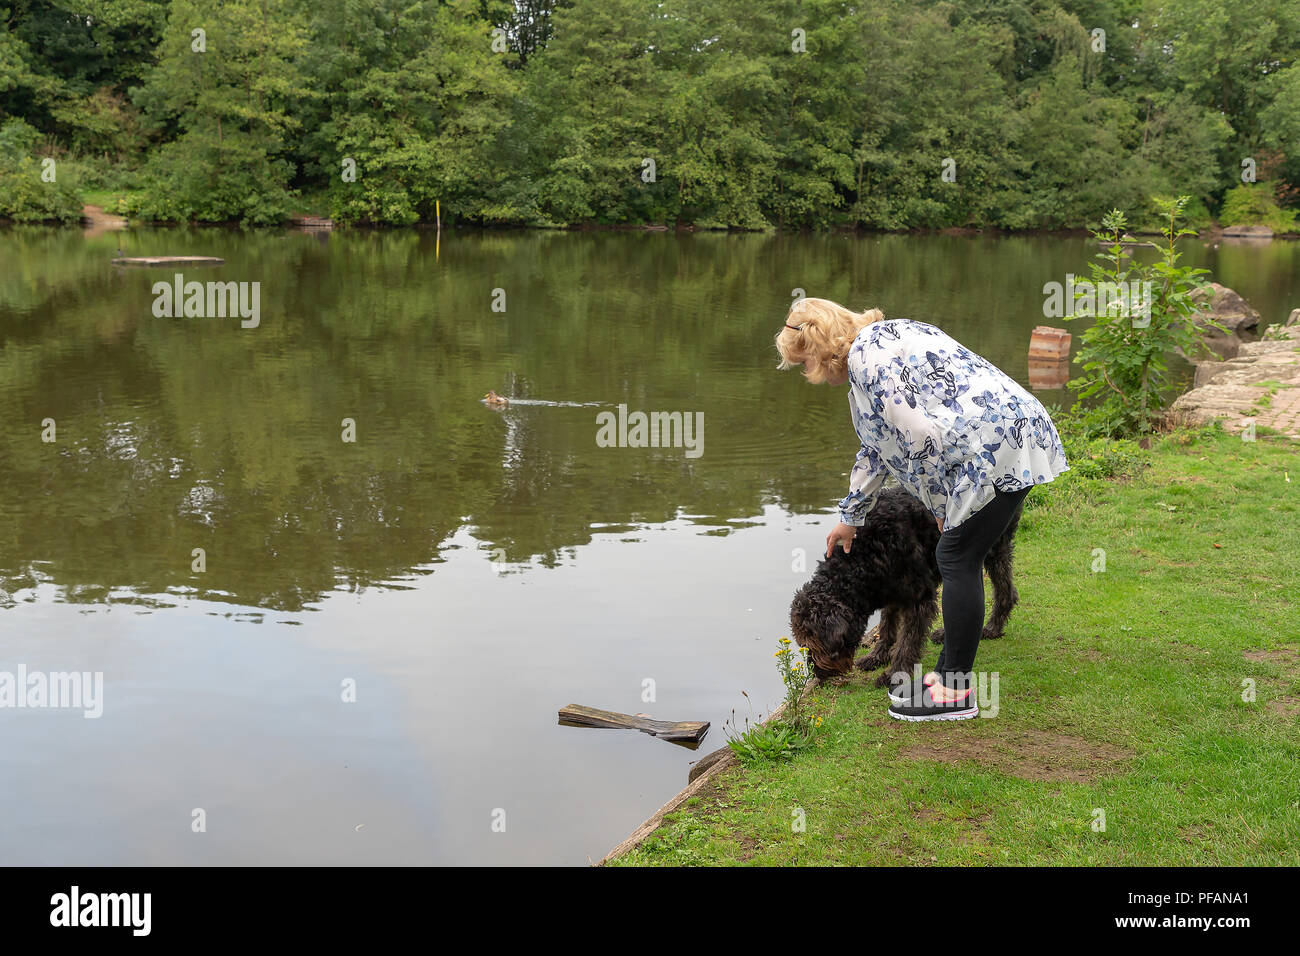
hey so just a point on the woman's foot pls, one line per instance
(937, 702)
(902, 693)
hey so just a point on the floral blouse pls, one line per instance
(945, 422)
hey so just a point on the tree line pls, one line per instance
(795, 114)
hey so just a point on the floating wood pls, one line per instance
(168, 261)
(1049, 345)
(578, 716)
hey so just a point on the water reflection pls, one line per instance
(195, 433)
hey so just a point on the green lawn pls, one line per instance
(1119, 692)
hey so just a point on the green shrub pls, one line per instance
(774, 740)
(1253, 204)
(1195, 213)
(18, 138)
(782, 738)
(190, 181)
(1125, 353)
(1091, 454)
(25, 193)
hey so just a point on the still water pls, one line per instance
(461, 571)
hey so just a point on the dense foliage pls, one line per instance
(742, 113)
(1125, 351)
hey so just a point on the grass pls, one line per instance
(1272, 387)
(113, 201)
(1120, 693)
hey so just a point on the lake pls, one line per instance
(326, 651)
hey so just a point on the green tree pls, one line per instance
(227, 82)
(1280, 123)
(418, 101)
(1220, 52)
(1075, 146)
(594, 99)
(937, 148)
(66, 67)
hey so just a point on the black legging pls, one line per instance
(961, 553)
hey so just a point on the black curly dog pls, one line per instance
(891, 568)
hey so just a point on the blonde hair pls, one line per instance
(822, 341)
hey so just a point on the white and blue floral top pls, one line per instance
(949, 425)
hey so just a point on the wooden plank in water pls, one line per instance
(168, 261)
(702, 780)
(581, 716)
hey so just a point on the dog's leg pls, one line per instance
(885, 640)
(936, 636)
(1005, 596)
(913, 624)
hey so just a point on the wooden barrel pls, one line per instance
(1049, 345)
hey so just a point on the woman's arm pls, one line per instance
(868, 472)
(864, 487)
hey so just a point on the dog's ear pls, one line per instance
(826, 627)
(834, 622)
(801, 617)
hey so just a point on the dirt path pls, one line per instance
(98, 222)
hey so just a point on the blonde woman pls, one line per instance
(956, 432)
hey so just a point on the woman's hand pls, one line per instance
(842, 534)
(939, 521)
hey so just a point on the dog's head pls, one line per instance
(828, 628)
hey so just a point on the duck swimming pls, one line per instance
(492, 398)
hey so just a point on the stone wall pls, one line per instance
(1261, 383)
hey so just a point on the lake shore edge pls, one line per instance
(96, 216)
(740, 814)
(702, 775)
